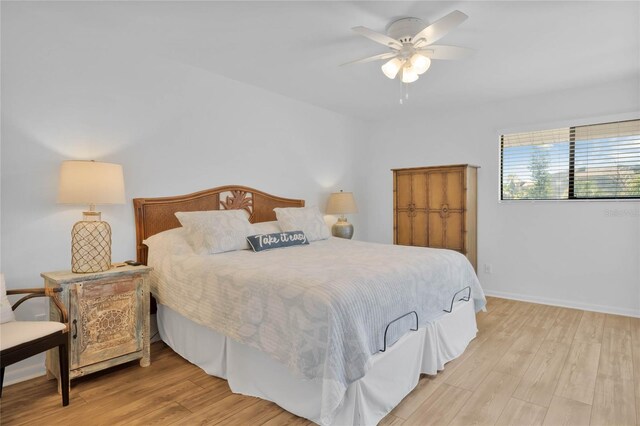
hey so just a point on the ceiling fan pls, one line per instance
(411, 44)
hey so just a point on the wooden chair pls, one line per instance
(23, 339)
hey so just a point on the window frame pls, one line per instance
(571, 182)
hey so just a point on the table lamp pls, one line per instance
(342, 203)
(91, 182)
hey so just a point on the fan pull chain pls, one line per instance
(404, 92)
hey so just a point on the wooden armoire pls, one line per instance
(437, 207)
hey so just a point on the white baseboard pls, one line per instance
(564, 303)
(22, 373)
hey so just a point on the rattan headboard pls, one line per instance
(154, 215)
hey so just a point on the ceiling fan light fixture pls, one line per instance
(412, 45)
(391, 68)
(409, 75)
(420, 63)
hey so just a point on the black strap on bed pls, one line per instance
(453, 300)
(399, 318)
(464, 299)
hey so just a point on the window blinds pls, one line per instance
(599, 161)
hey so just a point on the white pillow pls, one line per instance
(271, 227)
(306, 219)
(216, 231)
(6, 314)
(172, 241)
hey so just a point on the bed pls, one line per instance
(337, 331)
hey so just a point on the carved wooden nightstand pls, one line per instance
(108, 318)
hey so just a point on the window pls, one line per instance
(599, 161)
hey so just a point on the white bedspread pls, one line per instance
(320, 309)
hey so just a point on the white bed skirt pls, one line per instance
(393, 374)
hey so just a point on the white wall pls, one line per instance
(581, 254)
(174, 128)
(177, 128)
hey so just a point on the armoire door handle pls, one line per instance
(412, 210)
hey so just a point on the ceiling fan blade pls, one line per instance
(378, 37)
(439, 51)
(439, 29)
(371, 58)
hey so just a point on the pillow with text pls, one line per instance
(263, 242)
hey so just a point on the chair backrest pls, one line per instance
(6, 313)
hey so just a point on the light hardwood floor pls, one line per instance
(530, 364)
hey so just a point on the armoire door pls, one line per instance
(411, 209)
(446, 209)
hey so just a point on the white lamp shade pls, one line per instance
(341, 203)
(420, 63)
(91, 182)
(391, 68)
(409, 75)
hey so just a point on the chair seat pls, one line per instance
(14, 333)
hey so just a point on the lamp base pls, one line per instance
(90, 247)
(342, 229)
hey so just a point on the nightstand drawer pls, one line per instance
(106, 318)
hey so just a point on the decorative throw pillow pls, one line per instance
(307, 219)
(216, 231)
(6, 314)
(263, 242)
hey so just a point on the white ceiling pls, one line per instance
(295, 48)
